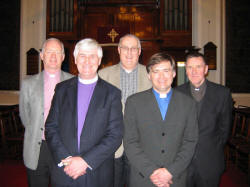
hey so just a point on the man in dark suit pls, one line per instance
(160, 129)
(214, 107)
(84, 127)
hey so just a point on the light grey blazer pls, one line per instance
(111, 74)
(31, 107)
(151, 143)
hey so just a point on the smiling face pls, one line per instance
(129, 52)
(52, 56)
(196, 70)
(87, 62)
(161, 76)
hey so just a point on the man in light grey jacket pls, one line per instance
(130, 77)
(35, 99)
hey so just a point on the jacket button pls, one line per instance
(163, 134)
(162, 151)
(41, 129)
(39, 143)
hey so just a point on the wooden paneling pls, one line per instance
(110, 56)
(90, 22)
(145, 19)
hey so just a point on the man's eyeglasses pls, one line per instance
(127, 49)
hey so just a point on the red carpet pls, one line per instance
(13, 174)
(234, 178)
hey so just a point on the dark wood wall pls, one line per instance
(238, 46)
(9, 44)
(146, 19)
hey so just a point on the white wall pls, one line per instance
(208, 24)
(33, 29)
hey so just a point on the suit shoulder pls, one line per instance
(67, 75)
(218, 87)
(108, 85)
(182, 87)
(67, 82)
(30, 79)
(142, 67)
(178, 92)
(140, 95)
(108, 69)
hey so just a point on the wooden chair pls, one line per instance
(11, 134)
(243, 149)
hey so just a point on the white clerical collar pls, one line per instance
(163, 95)
(52, 75)
(88, 81)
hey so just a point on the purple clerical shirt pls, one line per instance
(84, 95)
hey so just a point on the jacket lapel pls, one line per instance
(39, 92)
(155, 110)
(71, 93)
(172, 111)
(116, 76)
(97, 101)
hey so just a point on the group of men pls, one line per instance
(124, 125)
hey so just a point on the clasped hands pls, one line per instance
(74, 166)
(161, 178)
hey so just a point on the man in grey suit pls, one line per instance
(35, 98)
(160, 129)
(130, 77)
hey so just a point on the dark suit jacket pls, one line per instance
(214, 123)
(151, 143)
(101, 134)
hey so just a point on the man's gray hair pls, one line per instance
(88, 44)
(52, 39)
(130, 36)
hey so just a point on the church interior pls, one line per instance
(217, 28)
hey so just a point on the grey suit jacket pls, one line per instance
(31, 106)
(112, 75)
(151, 143)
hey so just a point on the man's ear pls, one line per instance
(119, 50)
(149, 77)
(41, 56)
(206, 69)
(63, 57)
(174, 74)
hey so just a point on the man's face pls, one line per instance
(52, 56)
(161, 76)
(87, 62)
(196, 70)
(129, 53)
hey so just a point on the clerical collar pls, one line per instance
(128, 71)
(200, 88)
(50, 75)
(88, 81)
(161, 95)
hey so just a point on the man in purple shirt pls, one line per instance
(85, 124)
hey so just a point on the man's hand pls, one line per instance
(75, 167)
(161, 178)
